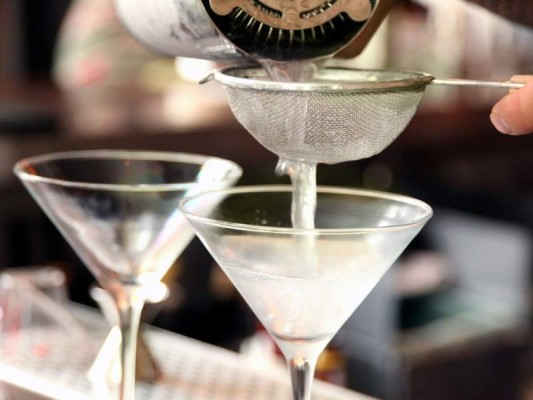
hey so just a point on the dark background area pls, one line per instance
(450, 156)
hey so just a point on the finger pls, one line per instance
(513, 114)
(520, 79)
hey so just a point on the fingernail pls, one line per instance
(500, 124)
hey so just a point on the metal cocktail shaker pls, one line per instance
(238, 31)
(176, 28)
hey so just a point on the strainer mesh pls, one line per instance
(327, 126)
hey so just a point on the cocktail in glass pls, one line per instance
(303, 284)
(119, 212)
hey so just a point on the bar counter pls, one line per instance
(49, 363)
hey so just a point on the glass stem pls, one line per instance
(129, 309)
(302, 373)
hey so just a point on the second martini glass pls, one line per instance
(119, 212)
(303, 284)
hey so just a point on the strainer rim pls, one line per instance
(414, 81)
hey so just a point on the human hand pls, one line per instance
(513, 114)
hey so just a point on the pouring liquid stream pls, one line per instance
(302, 174)
(303, 178)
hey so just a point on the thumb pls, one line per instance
(513, 114)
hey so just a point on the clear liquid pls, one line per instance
(303, 308)
(303, 178)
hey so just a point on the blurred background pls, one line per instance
(452, 320)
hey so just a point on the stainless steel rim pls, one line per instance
(256, 79)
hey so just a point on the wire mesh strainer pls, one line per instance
(342, 115)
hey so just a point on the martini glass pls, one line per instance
(119, 212)
(303, 284)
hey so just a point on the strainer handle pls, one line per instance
(474, 83)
